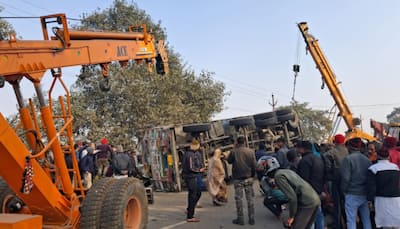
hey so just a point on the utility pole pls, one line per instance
(274, 102)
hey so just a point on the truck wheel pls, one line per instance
(125, 205)
(283, 111)
(287, 117)
(6, 195)
(241, 122)
(266, 122)
(92, 203)
(262, 116)
(196, 128)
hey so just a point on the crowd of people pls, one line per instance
(348, 184)
(103, 160)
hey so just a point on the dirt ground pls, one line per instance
(168, 212)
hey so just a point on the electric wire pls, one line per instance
(252, 86)
(36, 6)
(33, 17)
(16, 8)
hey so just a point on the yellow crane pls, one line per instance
(330, 80)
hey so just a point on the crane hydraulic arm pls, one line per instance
(329, 79)
(52, 188)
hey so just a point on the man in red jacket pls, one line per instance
(394, 152)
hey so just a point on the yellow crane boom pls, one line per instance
(329, 79)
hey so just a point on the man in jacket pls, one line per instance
(354, 170)
(103, 157)
(192, 166)
(394, 152)
(333, 160)
(303, 200)
(311, 169)
(280, 154)
(122, 163)
(384, 191)
(243, 163)
(86, 166)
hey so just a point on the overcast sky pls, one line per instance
(251, 46)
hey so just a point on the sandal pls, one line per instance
(193, 220)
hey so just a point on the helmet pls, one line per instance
(267, 164)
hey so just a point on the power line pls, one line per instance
(242, 83)
(36, 6)
(34, 17)
(16, 8)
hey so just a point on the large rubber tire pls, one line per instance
(93, 202)
(266, 122)
(241, 122)
(196, 128)
(125, 205)
(287, 117)
(283, 111)
(6, 195)
(262, 116)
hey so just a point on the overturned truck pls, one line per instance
(162, 148)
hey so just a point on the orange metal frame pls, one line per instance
(57, 189)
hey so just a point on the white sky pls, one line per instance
(252, 45)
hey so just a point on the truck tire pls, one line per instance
(125, 205)
(93, 202)
(241, 122)
(6, 195)
(262, 116)
(283, 111)
(196, 128)
(287, 117)
(266, 122)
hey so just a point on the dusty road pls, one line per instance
(168, 212)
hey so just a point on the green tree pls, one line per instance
(5, 28)
(137, 97)
(315, 124)
(394, 116)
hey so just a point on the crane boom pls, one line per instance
(329, 79)
(72, 48)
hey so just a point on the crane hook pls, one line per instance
(105, 85)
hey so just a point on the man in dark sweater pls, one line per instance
(303, 200)
(103, 157)
(311, 169)
(280, 154)
(122, 163)
(243, 170)
(354, 170)
(333, 161)
(192, 166)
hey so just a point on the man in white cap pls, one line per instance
(192, 165)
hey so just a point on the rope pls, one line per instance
(294, 86)
(296, 66)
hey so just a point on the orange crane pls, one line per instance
(31, 183)
(329, 79)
